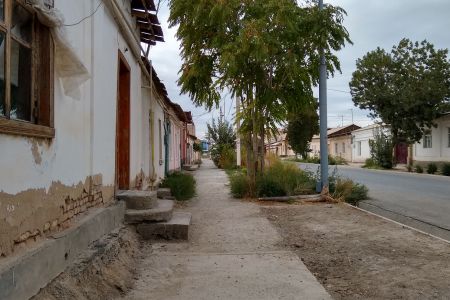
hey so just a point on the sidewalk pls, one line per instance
(233, 253)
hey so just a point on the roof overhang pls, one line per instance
(147, 21)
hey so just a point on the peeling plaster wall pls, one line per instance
(44, 184)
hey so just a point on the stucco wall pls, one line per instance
(344, 147)
(361, 136)
(439, 150)
(45, 183)
(175, 145)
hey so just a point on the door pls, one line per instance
(123, 125)
(401, 153)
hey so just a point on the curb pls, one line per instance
(398, 223)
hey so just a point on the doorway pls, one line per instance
(123, 125)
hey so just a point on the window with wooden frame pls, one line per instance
(26, 72)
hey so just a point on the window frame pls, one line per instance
(448, 137)
(427, 143)
(34, 127)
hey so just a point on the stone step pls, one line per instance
(138, 199)
(164, 193)
(175, 229)
(162, 212)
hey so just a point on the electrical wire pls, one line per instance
(87, 17)
(341, 91)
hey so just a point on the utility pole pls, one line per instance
(342, 120)
(238, 137)
(323, 118)
(351, 109)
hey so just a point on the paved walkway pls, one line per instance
(233, 253)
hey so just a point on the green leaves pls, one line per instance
(301, 128)
(407, 88)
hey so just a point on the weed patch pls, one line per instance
(182, 185)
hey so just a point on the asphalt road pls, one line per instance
(422, 197)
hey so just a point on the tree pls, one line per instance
(381, 148)
(221, 133)
(407, 88)
(223, 140)
(267, 52)
(301, 128)
(197, 147)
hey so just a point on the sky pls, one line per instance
(371, 24)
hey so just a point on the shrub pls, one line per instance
(227, 159)
(409, 168)
(381, 149)
(239, 185)
(340, 160)
(432, 168)
(349, 191)
(419, 169)
(370, 164)
(182, 185)
(267, 186)
(446, 169)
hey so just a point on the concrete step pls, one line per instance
(190, 167)
(138, 199)
(175, 229)
(162, 212)
(164, 193)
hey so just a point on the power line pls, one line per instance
(87, 17)
(341, 91)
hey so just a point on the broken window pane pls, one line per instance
(22, 23)
(20, 82)
(2, 74)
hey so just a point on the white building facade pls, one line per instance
(435, 144)
(75, 149)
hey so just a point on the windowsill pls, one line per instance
(23, 128)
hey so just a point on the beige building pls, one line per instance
(279, 145)
(339, 142)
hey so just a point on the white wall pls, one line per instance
(362, 136)
(439, 150)
(84, 142)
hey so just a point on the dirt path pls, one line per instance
(360, 256)
(233, 253)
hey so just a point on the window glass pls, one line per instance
(2, 73)
(22, 23)
(2, 10)
(427, 140)
(20, 82)
(448, 137)
(343, 147)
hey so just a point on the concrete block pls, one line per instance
(138, 199)
(22, 276)
(162, 212)
(164, 193)
(177, 228)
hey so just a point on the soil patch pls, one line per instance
(359, 256)
(106, 271)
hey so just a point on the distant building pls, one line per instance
(361, 141)
(279, 144)
(435, 144)
(339, 142)
(205, 146)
